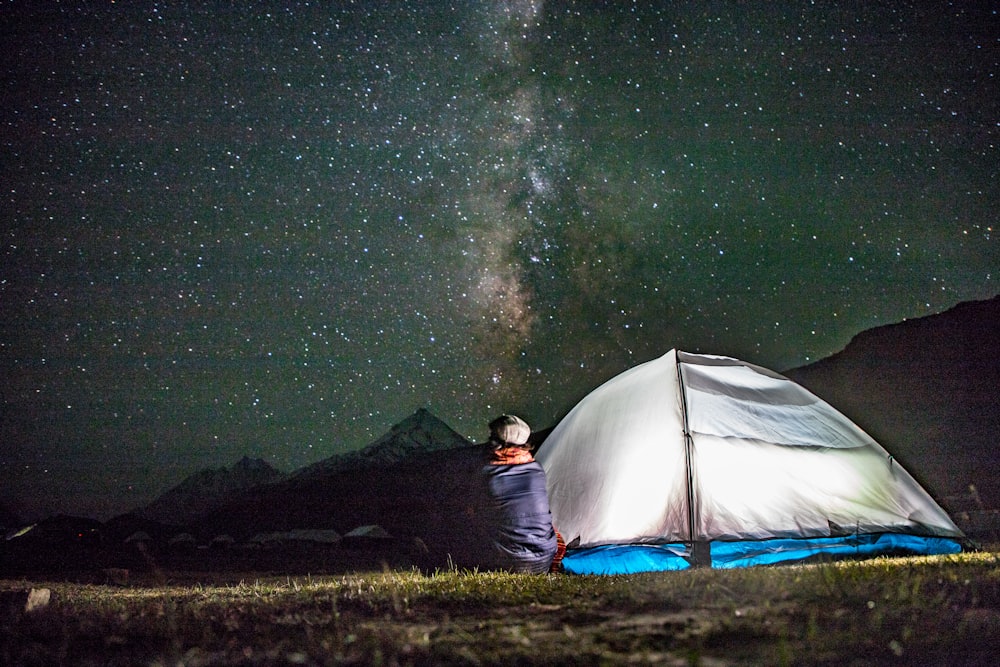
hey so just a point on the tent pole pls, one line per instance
(700, 551)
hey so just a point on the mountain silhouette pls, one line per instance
(204, 490)
(420, 482)
(418, 434)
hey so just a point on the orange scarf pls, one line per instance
(511, 456)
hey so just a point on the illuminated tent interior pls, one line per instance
(694, 459)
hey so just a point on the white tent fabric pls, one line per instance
(700, 448)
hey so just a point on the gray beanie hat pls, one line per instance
(509, 430)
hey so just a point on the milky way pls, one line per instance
(276, 229)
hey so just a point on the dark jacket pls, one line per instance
(523, 537)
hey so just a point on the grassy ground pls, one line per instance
(907, 611)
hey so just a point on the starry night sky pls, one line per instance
(277, 229)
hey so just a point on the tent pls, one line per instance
(298, 536)
(693, 459)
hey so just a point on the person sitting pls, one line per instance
(524, 539)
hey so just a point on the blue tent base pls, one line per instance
(632, 558)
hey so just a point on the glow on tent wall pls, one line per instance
(694, 449)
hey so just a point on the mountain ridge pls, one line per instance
(419, 433)
(198, 494)
(202, 491)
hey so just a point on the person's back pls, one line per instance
(523, 537)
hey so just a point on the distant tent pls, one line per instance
(372, 532)
(139, 537)
(367, 537)
(298, 536)
(312, 535)
(182, 541)
(698, 459)
(223, 541)
(264, 540)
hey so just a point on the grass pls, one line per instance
(942, 610)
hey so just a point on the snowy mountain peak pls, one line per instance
(419, 433)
